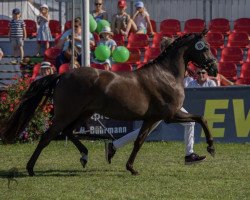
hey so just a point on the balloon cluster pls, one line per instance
(102, 52)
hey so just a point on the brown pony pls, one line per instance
(152, 93)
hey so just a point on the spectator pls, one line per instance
(45, 70)
(17, 35)
(190, 158)
(187, 78)
(98, 13)
(106, 35)
(65, 43)
(202, 80)
(1, 54)
(43, 34)
(121, 22)
(142, 19)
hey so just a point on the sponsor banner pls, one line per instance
(227, 110)
(99, 124)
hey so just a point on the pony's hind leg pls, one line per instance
(146, 128)
(82, 149)
(44, 141)
(182, 117)
(69, 132)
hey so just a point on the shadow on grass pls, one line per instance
(7, 174)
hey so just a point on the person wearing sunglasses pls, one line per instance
(202, 80)
(99, 13)
(65, 43)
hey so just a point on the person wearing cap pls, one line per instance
(17, 35)
(99, 13)
(106, 39)
(142, 19)
(43, 33)
(121, 22)
(202, 79)
(45, 70)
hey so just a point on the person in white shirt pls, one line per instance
(202, 80)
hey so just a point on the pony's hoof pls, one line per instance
(130, 168)
(83, 162)
(30, 172)
(135, 173)
(211, 150)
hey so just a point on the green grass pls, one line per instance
(163, 175)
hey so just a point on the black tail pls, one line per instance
(27, 107)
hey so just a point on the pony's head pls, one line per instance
(199, 53)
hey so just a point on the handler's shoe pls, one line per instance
(109, 151)
(194, 158)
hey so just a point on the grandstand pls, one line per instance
(228, 24)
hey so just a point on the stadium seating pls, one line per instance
(57, 38)
(119, 39)
(150, 54)
(228, 69)
(67, 26)
(96, 37)
(51, 54)
(31, 28)
(171, 27)
(238, 39)
(55, 28)
(4, 30)
(232, 54)
(121, 67)
(242, 81)
(138, 41)
(63, 68)
(214, 52)
(245, 71)
(194, 26)
(242, 25)
(156, 42)
(245, 66)
(248, 56)
(153, 23)
(97, 66)
(219, 25)
(135, 56)
(215, 40)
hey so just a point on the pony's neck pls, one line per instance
(175, 62)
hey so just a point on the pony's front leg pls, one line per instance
(146, 128)
(181, 117)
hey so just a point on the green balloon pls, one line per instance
(120, 54)
(102, 52)
(92, 24)
(101, 24)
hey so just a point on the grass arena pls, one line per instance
(163, 175)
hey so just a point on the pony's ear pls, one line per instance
(204, 32)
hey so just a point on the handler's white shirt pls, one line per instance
(208, 83)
